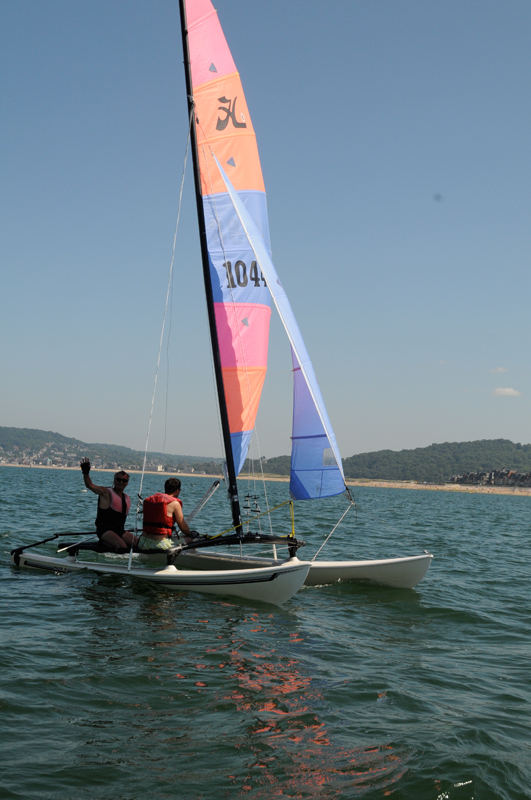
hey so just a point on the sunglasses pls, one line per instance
(122, 480)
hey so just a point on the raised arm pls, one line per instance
(85, 469)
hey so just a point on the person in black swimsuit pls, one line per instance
(113, 507)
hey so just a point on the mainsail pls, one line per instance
(241, 299)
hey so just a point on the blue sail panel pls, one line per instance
(314, 470)
(240, 445)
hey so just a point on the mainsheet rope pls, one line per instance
(170, 276)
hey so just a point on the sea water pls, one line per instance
(114, 690)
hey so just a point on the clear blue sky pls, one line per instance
(395, 147)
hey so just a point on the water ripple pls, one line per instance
(114, 690)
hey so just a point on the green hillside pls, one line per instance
(434, 464)
(279, 465)
(438, 462)
(24, 445)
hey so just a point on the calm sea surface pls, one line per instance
(111, 689)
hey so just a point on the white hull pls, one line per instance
(400, 573)
(273, 584)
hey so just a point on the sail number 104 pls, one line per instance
(239, 271)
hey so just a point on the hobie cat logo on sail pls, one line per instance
(230, 111)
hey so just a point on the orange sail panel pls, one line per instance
(241, 296)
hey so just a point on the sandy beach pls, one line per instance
(442, 487)
(431, 487)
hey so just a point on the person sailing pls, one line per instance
(162, 512)
(113, 508)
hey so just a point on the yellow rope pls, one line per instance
(292, 512)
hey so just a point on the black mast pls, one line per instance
(231, 471)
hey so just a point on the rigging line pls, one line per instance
(251, 479)
(263, 479)
(235, 527)
(168, 364)
(139, 503)
(333, 529)
(252, 476)
(264, 485)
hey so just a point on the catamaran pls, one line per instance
(240, 282)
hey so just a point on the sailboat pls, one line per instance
(241, 279)
(240, 282)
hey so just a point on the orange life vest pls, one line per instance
(156, 517)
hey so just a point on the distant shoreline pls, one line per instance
(129, 471)
(443, 487)
(381, 484)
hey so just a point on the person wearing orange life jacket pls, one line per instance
(113, 508)
(162, 511)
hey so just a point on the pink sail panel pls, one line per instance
(241, 296)
(243, 332)
(208, 46)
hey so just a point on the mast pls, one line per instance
(231, 471)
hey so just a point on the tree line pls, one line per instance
(434, 464)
